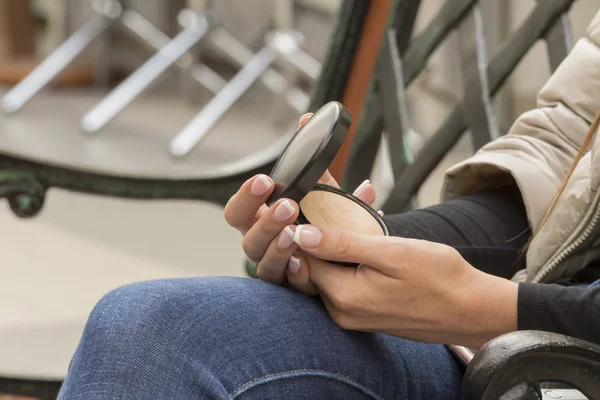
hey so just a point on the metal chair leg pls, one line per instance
(191, 135)
(109, 11)
(153, 37)
(142, 78)
(295, 62)
(287, 46)
(228, 45)
(279, 45)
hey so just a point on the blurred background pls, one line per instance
(166, 123)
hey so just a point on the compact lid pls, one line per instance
(309, 153)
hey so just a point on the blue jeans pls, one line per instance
(235, 338)
(232, 338)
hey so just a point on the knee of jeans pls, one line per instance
(138, 312)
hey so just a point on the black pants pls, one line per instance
(489, 229)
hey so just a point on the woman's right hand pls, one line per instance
(265, 242)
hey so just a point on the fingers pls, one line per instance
(336, 244)
(274, 264)
(247, 205)
(298, 274)
(329, 279)
(365, 192)
(244, 207)
(281, 263)
(304, 119)
(327, 179)
(259, 237)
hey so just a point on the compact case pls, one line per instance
(302, 163)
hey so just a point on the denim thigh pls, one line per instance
(236, 338)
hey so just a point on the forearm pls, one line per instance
(489, 230)
(488, 307)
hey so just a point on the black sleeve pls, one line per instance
(572, 311)
(489, 229)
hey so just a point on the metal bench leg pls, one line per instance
(116, 101)
(62, 57)
(191, 135)
(395, 114)
(477, 101)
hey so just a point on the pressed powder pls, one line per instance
(327, 208)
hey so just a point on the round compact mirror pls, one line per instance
(309, 153)
(305, 159)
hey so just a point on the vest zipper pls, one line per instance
(561, 256)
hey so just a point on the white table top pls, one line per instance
(136, 143)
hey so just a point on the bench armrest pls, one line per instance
(512, 366)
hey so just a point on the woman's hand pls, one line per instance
(265, 242)
(404, 287)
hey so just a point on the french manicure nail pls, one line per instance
(260, 185)
(286, 238)
(307, 236)
(380, 212)
(362, 185)
(302, 118)
(284, 211)
(294, 265)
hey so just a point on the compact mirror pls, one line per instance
(305, 159)
(309, 153)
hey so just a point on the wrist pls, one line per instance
(491, 306)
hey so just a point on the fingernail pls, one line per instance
(380, 212)
(260, 185)
(286, 238)
(294, 265)
(284, 211)
(362, 185)
(307, 236)
(302, 118)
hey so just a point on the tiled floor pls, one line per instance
(55, 267)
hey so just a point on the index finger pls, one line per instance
(243, 208)
(330, 279)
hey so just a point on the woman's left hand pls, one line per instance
(409, 288)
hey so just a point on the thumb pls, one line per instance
(329, 180)
(337, 244)
(365, 192)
